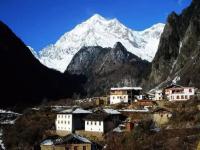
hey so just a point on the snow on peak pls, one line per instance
(96, 17)
(99, 31)
(33, 51)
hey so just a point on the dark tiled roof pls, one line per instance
(97, 116)
(69, 139)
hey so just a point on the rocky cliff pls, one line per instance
(108, 67)
(177, 59)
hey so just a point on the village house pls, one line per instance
(69, 142)
(161, 116)
(69, 120)
(146, 103)
(100, 101)
(179, 93)
(158, 95)
(125, 94)
(102, 120)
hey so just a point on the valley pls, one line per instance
(103, 85)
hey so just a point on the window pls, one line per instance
(99, 122)
(68, 122)
(177, 97)
(68, 116)
(58, 121)
(67, 148)
(182, 97)
(91, 122)
(87, 122)
(118, 97)
(61, 121)
(113, 97)
(75, 147)
(95, 123)
(190, 90)
(65, 122)
(84, 147)
(186, 97)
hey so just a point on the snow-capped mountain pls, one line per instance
(33, 52)
(98, 31)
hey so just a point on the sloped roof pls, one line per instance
(74, 111)
(69, 139)
(72, 139)
(97, 116)
(111, 111)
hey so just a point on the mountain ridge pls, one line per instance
(108, 67)
(24, 80)
(99, 31)
(178, 54)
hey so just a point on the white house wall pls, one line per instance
(185, 95)
(92, 127)
(114, 99)
(64, 122)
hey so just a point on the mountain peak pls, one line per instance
(118, 45)
(99, 31)
(96, 17)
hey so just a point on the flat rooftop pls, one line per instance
(126, 88)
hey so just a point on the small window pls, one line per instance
(182, 97)
(65, 122)
(58, 121)
(84, 147)
(68, 116)
(177, 97)
(186, 97)
(99, 122)
(67, 148)
(190, 90)
(68, 122)
(95, 123)
(113, 97)
(75, 147)
(61, 121)
(91, 122)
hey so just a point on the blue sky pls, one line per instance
(41, 22)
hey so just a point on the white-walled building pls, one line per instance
(179, 93)
(102, 121)
(158, 95)
(71, 119)
(124, 94)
